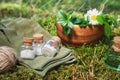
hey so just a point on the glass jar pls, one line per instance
(27, 51)
(51, 46)
(112, 57)
(116, 44)
(38, 42)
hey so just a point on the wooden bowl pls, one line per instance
(78, 35)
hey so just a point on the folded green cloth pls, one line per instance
(5, 34)
(14, 32)
(42, 65)
(21, 28)
(46, 61)
(43, 73)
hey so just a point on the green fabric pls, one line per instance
(45, 61)
(5, 34)
(13, 31)
(43, 73)
(23, 28)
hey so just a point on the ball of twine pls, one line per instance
(7, 58)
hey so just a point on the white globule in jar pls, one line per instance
(38, 42)
(51, 46)
(27, 51)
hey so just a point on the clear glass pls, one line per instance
(37, 47)
(27, 52)
(112, 58)
(50, 48)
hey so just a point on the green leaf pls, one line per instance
(67, 30)
(82, 25)
(71, 13)
(78, 20)
(62, 14)
(65, 21)
(100, 19)
(107, 29)
(70, 25)
(62, 22)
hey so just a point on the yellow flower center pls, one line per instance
(93, 17)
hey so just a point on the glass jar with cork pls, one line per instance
(27, 51)
(51, 46)
(38, 42)
(112, 57)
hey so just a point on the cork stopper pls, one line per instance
(38, 38)
(28, 41)
(117, 39)
(116, 45)
(57, 39)
(116, 48)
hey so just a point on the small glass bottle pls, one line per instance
(38, 42)
(51, 46)
(112, 57)
(116, 44)
(27, 51)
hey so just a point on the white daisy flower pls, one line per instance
(91, 15)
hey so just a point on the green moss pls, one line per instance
(20, 73)
(48, 24)
(17, 10)
(88, 66)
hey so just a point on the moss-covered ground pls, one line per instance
(90, 58)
